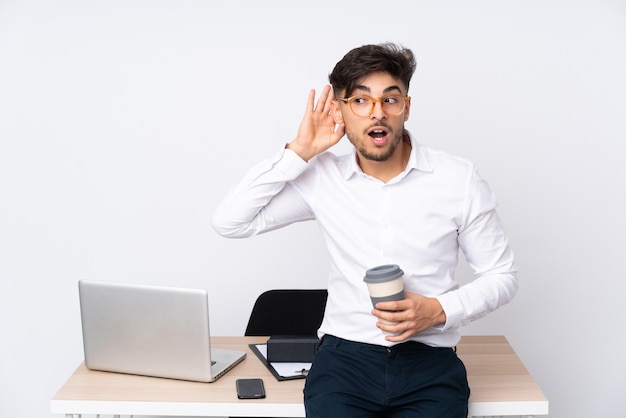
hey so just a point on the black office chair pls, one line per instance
(287, 312)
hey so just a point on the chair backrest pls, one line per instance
(287, 312)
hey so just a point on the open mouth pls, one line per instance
(378, 135)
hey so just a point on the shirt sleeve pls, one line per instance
(263, 200)
(486, 248)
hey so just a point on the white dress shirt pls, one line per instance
(418, 220)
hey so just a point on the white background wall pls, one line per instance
(122, 124)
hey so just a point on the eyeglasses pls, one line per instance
(364, 105)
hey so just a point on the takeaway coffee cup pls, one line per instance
(385, 283)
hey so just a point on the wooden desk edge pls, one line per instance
(61, 405)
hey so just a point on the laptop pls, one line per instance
(151, 331)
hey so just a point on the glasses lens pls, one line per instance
(361, 105)
(393, 105)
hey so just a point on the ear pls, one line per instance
(407, 111)
(336, 112)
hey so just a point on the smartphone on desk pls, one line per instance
(250, 388)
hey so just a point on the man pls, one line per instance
(390, 201)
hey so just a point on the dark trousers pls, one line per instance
(412, 380)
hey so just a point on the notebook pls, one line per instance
(150, 330)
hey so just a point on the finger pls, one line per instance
(310, 103)
(387, 316)
(331, 93)
(396, 338)
(394, 332)
(323, 103)
(329, 100)
(389, 306)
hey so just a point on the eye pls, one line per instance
(361, 100)
(392, 99)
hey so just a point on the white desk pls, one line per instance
(500, 386)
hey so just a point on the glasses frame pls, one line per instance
(374, 100)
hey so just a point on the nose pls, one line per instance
(377, 111)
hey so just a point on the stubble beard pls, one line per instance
(383, 154)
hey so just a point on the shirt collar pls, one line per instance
(418, 160)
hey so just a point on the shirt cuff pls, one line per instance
(290, 163)
(453, 308)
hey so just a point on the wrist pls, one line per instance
(439, 317)
(299, 150)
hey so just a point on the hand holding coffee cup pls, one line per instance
(385, 283)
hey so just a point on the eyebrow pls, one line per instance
(387, 90)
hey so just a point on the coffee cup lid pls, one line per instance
(382, 273)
